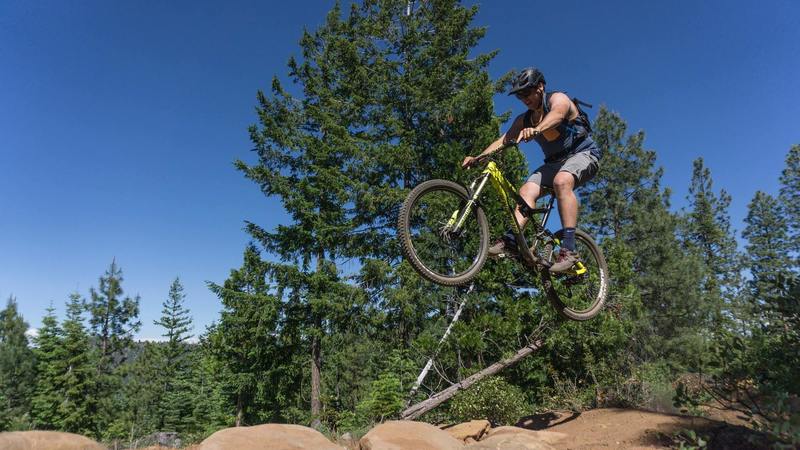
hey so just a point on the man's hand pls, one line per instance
(527, 134)
(468, 161)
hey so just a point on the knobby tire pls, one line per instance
(404, 229)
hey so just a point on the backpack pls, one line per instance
(582, 116)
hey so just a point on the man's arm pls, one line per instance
(559, 110)
(500, 142)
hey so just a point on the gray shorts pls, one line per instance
(582, 165)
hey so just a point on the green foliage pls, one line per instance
(48, 351)
(384, 399)
(789, 193)
(493, 399)
(174, 405)
(17, 367)
(79, 406)
(113, 320)
(244, 341)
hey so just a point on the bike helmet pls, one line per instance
(526, 78)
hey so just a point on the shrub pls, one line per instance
(492, 399)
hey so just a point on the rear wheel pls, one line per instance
(580, 293)
(444, 244)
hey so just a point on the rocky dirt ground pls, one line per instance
(636, 429)
(557, 430)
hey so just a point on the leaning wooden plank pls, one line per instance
(418, 409)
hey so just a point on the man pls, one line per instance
(571, 157)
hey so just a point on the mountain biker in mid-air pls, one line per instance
(558, 125)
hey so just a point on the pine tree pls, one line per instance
(767, 249)
(790, 192)
(113, 319)
(387, 103)
(244, 341)
(305, 148)
(17, 365)
(708, 235)
(49, 369)
(140, 395)
(79, 406)
(175, 403)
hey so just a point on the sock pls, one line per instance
(568, 240)
(509, 237)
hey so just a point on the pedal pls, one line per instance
(575, 279)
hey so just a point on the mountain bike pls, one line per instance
(444, 235)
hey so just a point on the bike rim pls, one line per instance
(439, 249)
(582, 288)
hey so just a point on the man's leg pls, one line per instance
(529, 192)
(563, 185)
(575, 172)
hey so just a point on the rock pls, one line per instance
(268, 436)
(517, 438)
(473, 429)
(405, 434)
(50, 440)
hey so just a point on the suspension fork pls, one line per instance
(459, 216)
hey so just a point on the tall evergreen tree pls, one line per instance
(79, 406)
(708, 234)
(387, 103)
(17, 365)
(244, 341)
(49, 369)
(175, 405)
(113, 319)
(767, 246)
(305, 148)
(790, 192)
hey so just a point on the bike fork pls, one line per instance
(459, 216)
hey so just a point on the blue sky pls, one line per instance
(119, 121)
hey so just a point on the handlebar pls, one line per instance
(491, 156)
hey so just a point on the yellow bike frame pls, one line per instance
(508, 193)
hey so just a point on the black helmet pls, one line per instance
(526, 78)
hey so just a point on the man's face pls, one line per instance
(531, 97)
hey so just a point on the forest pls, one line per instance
(324, 324)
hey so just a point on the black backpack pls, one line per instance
(582, 116)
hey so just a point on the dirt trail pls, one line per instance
(635, 429)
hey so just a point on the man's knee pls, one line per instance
(563, 181)
(529, 189)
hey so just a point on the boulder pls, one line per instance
(405, 434)
(474, 429)
(50, 440)
(517, 438)
(268, 436)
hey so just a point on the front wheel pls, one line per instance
(443, 235)
(581, 293)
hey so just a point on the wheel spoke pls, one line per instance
(435, 245)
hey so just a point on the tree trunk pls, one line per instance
(316, 358)
(414, 411)
(316, 403)
(239, 409)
